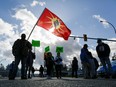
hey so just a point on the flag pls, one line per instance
(47, 49)
(35, 43)
(54, 24)
(59, 49)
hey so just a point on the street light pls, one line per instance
(111, 25)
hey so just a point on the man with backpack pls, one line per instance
(20, 51)
(103, 51)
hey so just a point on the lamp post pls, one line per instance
(111, 25)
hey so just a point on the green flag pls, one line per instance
(36, 43)
(47, 49)
(59, 49)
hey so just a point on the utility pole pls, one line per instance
(85, 38)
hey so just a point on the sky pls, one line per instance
(80, 16)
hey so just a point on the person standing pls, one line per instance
(96, 66)
(20, 51)
(74, 67)
(30, 58)
(33, 71)
(85, 61)
(41, 70)
(58, 65)
(93, 72)
(11, 67)
(103, 52)
(49, 64)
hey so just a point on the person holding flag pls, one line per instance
(20, 50)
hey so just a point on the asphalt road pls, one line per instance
(64, 82)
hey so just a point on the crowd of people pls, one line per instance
(22, 51)
(89, 63)
(50, 62)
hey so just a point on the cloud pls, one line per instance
(35, 3)
(27, 21)
(42, 3)
(6, 28)
(99, 18)
(7, 35)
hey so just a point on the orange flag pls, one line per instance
(54, 24)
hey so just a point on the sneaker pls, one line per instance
(11, 78)
(23, 78)
(29, 77)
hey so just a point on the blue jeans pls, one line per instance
(106, 61)
(86, 69)
(23, 66)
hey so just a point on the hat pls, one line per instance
(99, 40)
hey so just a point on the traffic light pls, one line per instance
(85, 37)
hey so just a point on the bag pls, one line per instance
(21, 47)
(16, 48)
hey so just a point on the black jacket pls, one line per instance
(103, 50)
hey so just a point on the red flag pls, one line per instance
(54, 24)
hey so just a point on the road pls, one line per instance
(64, 82)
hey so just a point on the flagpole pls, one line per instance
(34, 49)
(31, 31)
(34, 26)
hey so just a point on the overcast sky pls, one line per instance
(80, 16)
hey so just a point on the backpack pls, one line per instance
(21, 47)
(16, 48)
